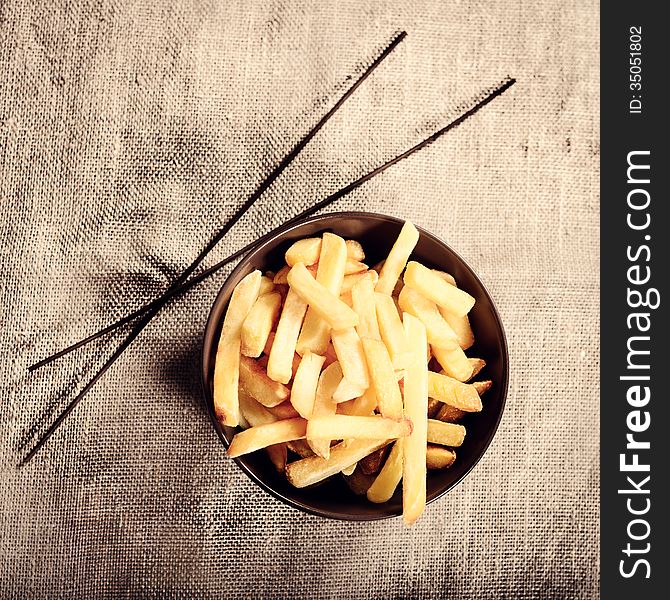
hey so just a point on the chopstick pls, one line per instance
(509, 82)
(260, 190)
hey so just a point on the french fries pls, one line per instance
(255, 381)
(438, 457)
(280, 363)
(309, 471)
(363, 301)
(227, 364)
(343, 427)
(349, 351)
(324, 304)
(445, 434)
(383, 378)
(330, 275)
(433, 287)
(391, 330)
(438, 331)
(324, 405)
(262, 436)
(389, 477)
(454, 362)
(303, 391)
(338, 363)
(397, 259)
(416, 409)
(259, 323)
(451, 391)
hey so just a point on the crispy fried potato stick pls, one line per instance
(383, 379)
(439, 332)
(254, 381)
(227, 364)
(344, 427)
(433, 287)
(329, 278)
(303, 392)
(391, 330)
(255, 438)
(259, 323)
(438, 457)
(389, 477)
(309, 471)
(416, 409)
(324, 405)
(280, 364)
(445, 434)
(451, 391)
(397, 258)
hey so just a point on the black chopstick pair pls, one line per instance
(181, 285)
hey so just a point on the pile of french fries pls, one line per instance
(353, 370)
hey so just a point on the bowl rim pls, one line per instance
(211, 325)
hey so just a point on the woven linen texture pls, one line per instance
(129, 131)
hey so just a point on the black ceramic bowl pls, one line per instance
(333, 498)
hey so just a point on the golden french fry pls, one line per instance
(446, 276)
(477, 365)
(363, 406)
(349, 470)
(449, 414)
(454, 362)
(327, 306)
(280, 364)
(262, 436)
(482, 386)
(227, 364)
(349, 351)
(389, 477)
(306, 251)
(284, 410)
(253, 411)
(391, 330)
(433, 287)
(254, 381)
(256, 414)
(434, 407)
(355, 250)
(354, 266)
(300, 447)
(438, 331)
(451, 391)
(461, 327)
(397, 259)
(303, 391)
(309, 471)
(383, 378)
(359, 482)
(267, 286)
(438, 457)
(363, 300)
(416, 409)
(347, 391)
(259, 323)
(329, 277)
(350, 281)
(324, 405)
(373, 462)
(344, 427)
(445, 434)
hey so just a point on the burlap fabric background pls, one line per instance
(130, 130)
